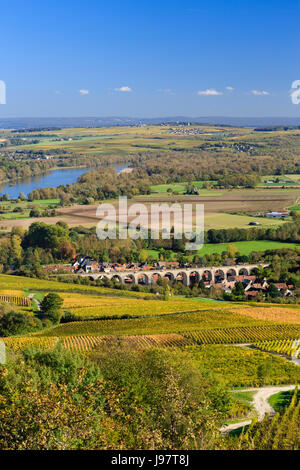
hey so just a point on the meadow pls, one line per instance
(222, 220)
(244, 248)
(16, 210)
(289, 180)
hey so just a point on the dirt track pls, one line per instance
(260, 404)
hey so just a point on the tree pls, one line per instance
(66, 250)
(167, 292)
(22, 196)
(231, 251)
(15, 249)
(45, 236)
(273, 291)
(143, 256)
(51, 305)
(20, 231)
(238, 288)
(243, 259)
(34, 212)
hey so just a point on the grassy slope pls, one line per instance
(245, 247)
(281, 400)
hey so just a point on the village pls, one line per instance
(218, 278)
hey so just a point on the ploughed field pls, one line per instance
(238, 199)
(218, 208)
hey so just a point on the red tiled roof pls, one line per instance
(280, 285)
(252, 293)
(245, 278)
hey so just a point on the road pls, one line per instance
(37, 302)
(260, 404)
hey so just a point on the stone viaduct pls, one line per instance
(187, 276)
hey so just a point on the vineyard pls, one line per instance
(18, 282)
(243, 334)
(13, 292)
(236, 366)
(87, 343)
(244, 366)
(282, 433)
(20, 301)
(175, 323)
(96, 306)
(288, 347)
(17, 344)
(287, 314)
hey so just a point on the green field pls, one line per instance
(291, 180)
(223, 220)
(181, 187)
(46, 202)
(244, 248)
(24, 207)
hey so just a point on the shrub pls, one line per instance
(15, 323)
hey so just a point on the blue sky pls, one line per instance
(149, 58)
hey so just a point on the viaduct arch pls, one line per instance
(187, 276)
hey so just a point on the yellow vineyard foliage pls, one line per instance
(87, 343)
(16, 344)
(277, 314)
(17, 300)
(88, 306)
(288, 347)
(13, 292)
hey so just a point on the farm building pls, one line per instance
(277, 214)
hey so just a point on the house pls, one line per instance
(86, 264)
(277, 214)
(284, 289)
(245, 279)
(251, 294)
(230, 262)
(172, 264)
(228, 286)
(54, 268)
(90, 266)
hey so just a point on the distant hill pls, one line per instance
(28, 123)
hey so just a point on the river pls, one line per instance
(53, 178)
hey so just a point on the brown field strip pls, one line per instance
(277, 314)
